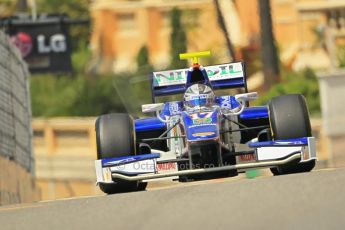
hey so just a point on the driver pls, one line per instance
(198, 96)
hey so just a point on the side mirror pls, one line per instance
(148, 108)
(246, 96)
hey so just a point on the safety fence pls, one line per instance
(15, 108)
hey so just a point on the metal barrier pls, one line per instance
(15, 108)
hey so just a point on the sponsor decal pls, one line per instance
(247, 157)
(164, 167)
(43, 43)
(23, 42)
(216, 72)
(202, 118)
(201, 115)
(145, 166)
(224, 71)
(203, 134)
(228, 102)
(202, 121)
(172, 77)
(53, 44)
(174, 108)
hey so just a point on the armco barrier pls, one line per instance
(16, 158)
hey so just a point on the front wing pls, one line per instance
(149, 166)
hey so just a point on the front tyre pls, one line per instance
(119, 187)
(115, 137)
(289, 118)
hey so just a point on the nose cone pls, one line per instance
(201, 125)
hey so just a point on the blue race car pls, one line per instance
(204, 136)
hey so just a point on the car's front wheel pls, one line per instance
(115, 137)
(289, 118)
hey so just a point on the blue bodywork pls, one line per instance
(153, 123)
(228, 102)
(128, 159)
(303, 141)
(201, 125)
(148, 124)
(256, 112)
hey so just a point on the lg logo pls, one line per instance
(56, 43)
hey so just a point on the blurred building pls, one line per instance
(332, 81)
(302, 29)
(65, 150)
(122, 27)
(332, 29)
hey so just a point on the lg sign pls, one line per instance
(23, 42)
(44, 43)
(56, 43)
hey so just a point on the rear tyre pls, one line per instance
(115, 137)
(289, 118)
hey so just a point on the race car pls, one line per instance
(203, 135)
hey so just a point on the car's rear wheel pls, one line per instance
(289, 118)
(115, 137)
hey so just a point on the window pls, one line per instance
(126, 21)
(190, 18)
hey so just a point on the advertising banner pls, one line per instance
(43, 43)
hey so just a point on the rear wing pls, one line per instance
(224, 76)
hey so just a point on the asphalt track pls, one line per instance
(302, 201)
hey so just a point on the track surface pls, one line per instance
(303, 201)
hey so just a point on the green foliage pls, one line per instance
(67, 96)
(88, 96)
(7, 8)
(143, 61)
(252, 59)
(178, 40)
(75, 9)
(76, 94)
(133, 90)
(341, 56)
(304, 82)
(143, 57)
(80, 95)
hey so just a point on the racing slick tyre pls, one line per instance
(289, 118)
(122, 186)
(115, 137)
(142, 186)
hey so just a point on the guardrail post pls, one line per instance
(49, 138)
